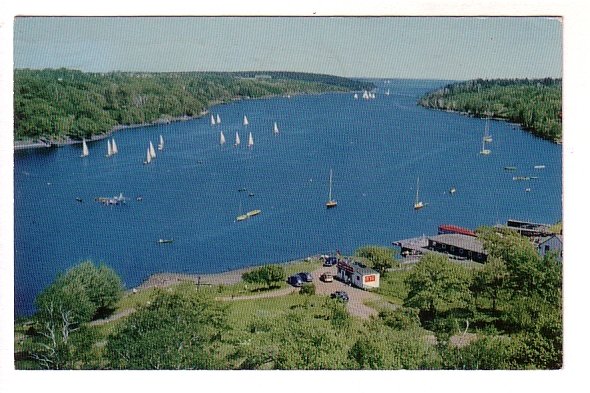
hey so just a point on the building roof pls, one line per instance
(547, 238)
(465, 242)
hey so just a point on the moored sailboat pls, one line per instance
(218, 119)
(212, 120)
(245, 122)
(418, 204)
(486, 136)
(114, 148)
(148, 157)
(109, 148)
(275, 128)
(331, 202)
(484, 151)
(237, 143)
(221, 139)
(250, 140)
(161, 144)
(152, 151)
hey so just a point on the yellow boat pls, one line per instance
(242, 217)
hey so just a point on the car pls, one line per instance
(330, 261)
(305, 276)
(340, 295)
(295, 280)
(327, 277)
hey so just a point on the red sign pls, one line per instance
(370, 278)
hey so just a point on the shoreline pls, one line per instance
(230, 277)
(44, 143)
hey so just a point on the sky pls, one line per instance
(391, 47)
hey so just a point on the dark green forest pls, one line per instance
(535, 104)
(61, 104)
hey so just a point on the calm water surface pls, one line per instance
(377, 150)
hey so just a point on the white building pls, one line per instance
(357, 274)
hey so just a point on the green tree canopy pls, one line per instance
(381, 258)
(268, 274)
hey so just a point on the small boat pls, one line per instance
(356, 96)
(484, 151)
(148, 157)
(79, 199)
(527, 190)
(452, 190)
(521, 178)
(152, 150)
(109, 149)
(245, 121)
(387, 92)
(539, 166)
(250, 140)
(253, 213)
(218, 119)
(164, 241)
(250, 194)
(509, 168)
(242, 189)
(275, 128)
(114, 146)
(418, 204)
(212, 120)
(241, 217)
(139, 198)
(85, 151)
(237, 143)
(222, 139)
(331, 202)
(161, 144)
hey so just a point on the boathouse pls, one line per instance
(529, 229)
(458, 246)
(447, 228)
(357, 274)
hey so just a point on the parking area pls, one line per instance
(356, 296)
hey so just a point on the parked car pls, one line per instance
(327, 277)
(340, 295)
(330, 261)
(305, 276)
(295, 280)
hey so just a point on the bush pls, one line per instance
(307, 289)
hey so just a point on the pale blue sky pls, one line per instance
(420, 47)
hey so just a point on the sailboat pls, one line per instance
(486, 136)
(222, 139)
(85, 151)
(114, 146)
(356, 96)
(161, 144)
(275, 128)
(331, 202)
(484, 151)
(152, 151)
(387, 92)
(418, 204)
(148, 157)
(237, 139)
(212, 120)
(241, 217)
(250, 140)
(218, 119)
(246, 121)
(109, 149)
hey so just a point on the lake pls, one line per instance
(190, 192)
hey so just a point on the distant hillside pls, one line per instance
(533, 103)
(61, 104)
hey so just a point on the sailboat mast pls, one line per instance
(417, 188)
(330, 192)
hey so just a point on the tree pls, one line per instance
(269, 275)
(491, 280)
(381, 258)
(436, 284)
(177, 330)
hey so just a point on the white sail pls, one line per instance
(152, 151)
(275, 128)
(109, 149)
(212, 120)
(85, 151)
(148, 157)
(218, 119)
(161, 144)
(237, 139)
(114, 146)
(222, 139)
(250, 140)
(486, 136)
(356, 96)
(331, 203)
(246, 121)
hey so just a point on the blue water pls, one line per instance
(376, 148)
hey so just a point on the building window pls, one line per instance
(547, 248)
